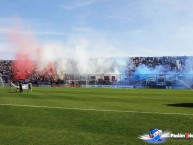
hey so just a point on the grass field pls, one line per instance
(81, 116)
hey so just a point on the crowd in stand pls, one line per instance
(5, 69)
(177, 64)
(36, 77)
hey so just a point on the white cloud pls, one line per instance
(5, 51)
(120, 18)
(73, 4)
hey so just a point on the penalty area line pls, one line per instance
(98, 110)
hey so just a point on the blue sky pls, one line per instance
(106, 28)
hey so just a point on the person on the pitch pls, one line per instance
(30, 86)
(11, 86)
(17, 87)
(20, 87)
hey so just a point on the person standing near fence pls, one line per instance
(20, 87)
(30, 86)
(11, 86)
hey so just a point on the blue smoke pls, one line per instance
(183, 69)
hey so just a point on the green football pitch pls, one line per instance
(82, 116)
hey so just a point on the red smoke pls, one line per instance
(51, 69)
(28, 54)
(22, 66)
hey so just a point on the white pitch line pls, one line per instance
(99, 110)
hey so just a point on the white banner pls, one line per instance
(25, 86)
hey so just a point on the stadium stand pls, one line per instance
(170, 63)
(161, 71)
(155, 72)
(5, 69)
